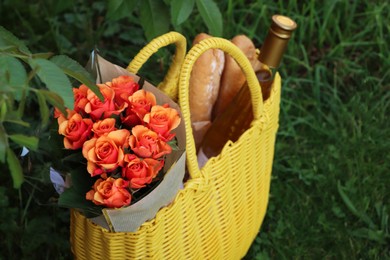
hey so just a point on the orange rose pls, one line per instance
(80, 98)
(104, 126)
(76, 131)
(61, 117)
(98, 109)
(140, 171)
(111, 193)
(123, 86)
(141, 102)
(163, 120)
(130, 119)
(105, 153)
(146, 143)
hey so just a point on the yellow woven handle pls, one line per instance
(169, 84)
(184, 80)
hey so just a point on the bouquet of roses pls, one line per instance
(124, 138)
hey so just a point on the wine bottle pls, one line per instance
(238, 115)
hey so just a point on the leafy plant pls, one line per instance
(23, 73)
(155, 17)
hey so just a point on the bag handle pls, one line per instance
(168, 85)
(184, 80)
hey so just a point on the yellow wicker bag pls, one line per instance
(219, 211)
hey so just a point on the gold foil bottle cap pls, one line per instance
(273, 48)
(283, 23)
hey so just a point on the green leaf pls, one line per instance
(13, 75)
(76, 71)
(15, 168)
(211, 15)
(8, 39)
(30, 142)
(3, 110)
(54, 99)
(7, 49)
(74, 157)
(71, 198)
(181, 10)
(43, 108)
(118, 9)
(3, 143)
(54, 79)
(173, 144)
(43, 55)
(17, 122)
(81, 179)
(154, 17)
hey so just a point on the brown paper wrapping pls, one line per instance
(130, 218)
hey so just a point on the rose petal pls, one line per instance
(120, 137)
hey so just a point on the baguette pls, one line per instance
(205, 81)
(204, 87)
(232, 77)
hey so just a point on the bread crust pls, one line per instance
(232, 77)
(204, 88)
(205, 81)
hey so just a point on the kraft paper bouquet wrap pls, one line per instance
(125, 153)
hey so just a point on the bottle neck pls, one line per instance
(275, 43)
(265, 76)
(272, 50)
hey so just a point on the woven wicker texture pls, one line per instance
(220, 210)
(169, 84)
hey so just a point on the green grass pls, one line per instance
(329, 192)
(329, 196)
